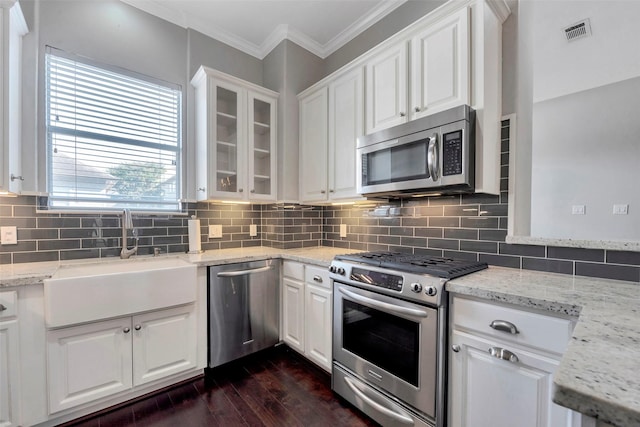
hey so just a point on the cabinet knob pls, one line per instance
(402, 114)
(240, 190)
(417, 109)
(253, 191)
(332, 191)
(322, 192)
(455, 348)
(137, 327)
(126, 330)
(17, 177)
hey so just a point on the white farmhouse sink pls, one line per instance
(89, 292)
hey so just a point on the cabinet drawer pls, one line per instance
(294, 270)
(535, 330)
(317, 276)
(9, 302)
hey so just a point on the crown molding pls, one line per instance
(280, 33)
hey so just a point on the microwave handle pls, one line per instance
(432, 157)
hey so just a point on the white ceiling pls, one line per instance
(258, 26)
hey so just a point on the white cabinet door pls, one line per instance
(88, 362)
(440, 66)
(313, 147)
(346, 124)
(293, 313)
(486, 391)
(12, 28)
(227, 151)
(318, 325)
(164, 343)
(387, 89)
(261, 182)
(9, 374)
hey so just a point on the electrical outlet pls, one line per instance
(343, 230)
(578, 209)
(620, 209)
(215, 231)
(8, 235)
(253, 230)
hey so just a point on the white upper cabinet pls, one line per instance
(387, 88)
(440, 75)
(235, 138)
(331, 120)
(313, 146)
(12, 28)
(346, 124)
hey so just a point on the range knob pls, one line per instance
(431, 291)
(340, 271)
(332, 269)
(416, 287)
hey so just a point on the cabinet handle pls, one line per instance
(2, 307)
(504, 326)
(137, 327)
(417, 109)
(455, 348)
(18, 177)
(240, 190)
(253, 191)
(201, 189)
(332, 191)
(317, 279)
(402, 114)
(322, 191)
(503, 354)
(126, 330)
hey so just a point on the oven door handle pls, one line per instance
(385, 306)
(401, 417)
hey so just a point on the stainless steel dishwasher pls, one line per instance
(243, 309)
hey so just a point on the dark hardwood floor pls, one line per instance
(276, 387)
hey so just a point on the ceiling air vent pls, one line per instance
(578, 30)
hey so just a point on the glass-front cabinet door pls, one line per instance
(262, 145)
(226, 147)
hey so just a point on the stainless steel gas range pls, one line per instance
(389, 334)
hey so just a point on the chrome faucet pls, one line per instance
(127, 223)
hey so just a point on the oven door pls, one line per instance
(390, 343)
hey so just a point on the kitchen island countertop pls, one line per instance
(599, 374)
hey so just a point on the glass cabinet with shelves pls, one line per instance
(235, 138)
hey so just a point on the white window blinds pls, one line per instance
(113, 140)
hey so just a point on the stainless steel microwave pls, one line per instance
(431, 155)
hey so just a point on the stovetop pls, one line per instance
(447, 268)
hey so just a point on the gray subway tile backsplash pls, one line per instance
(469, 226)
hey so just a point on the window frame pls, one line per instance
(155, 207)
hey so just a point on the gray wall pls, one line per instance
(289, 69)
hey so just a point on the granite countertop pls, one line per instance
(36, 272)
(599, 374)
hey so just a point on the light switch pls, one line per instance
(620, 209)
(253, 230)
(215, 231)
(8, 235)
(578, 210)
(343, 230)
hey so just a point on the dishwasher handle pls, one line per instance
(243, 272)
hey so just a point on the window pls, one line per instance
(113, 139)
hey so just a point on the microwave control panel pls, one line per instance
(452, 153)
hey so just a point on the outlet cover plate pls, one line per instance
(253, 230)
(620, 209)
(343, 230)
(215, 231)
(8, 235)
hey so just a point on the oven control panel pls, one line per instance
(377, 278)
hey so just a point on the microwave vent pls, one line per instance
(578, 30)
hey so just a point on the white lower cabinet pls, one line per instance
(306, 311)
(95, 360)
(9, 361)
(503, 377)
